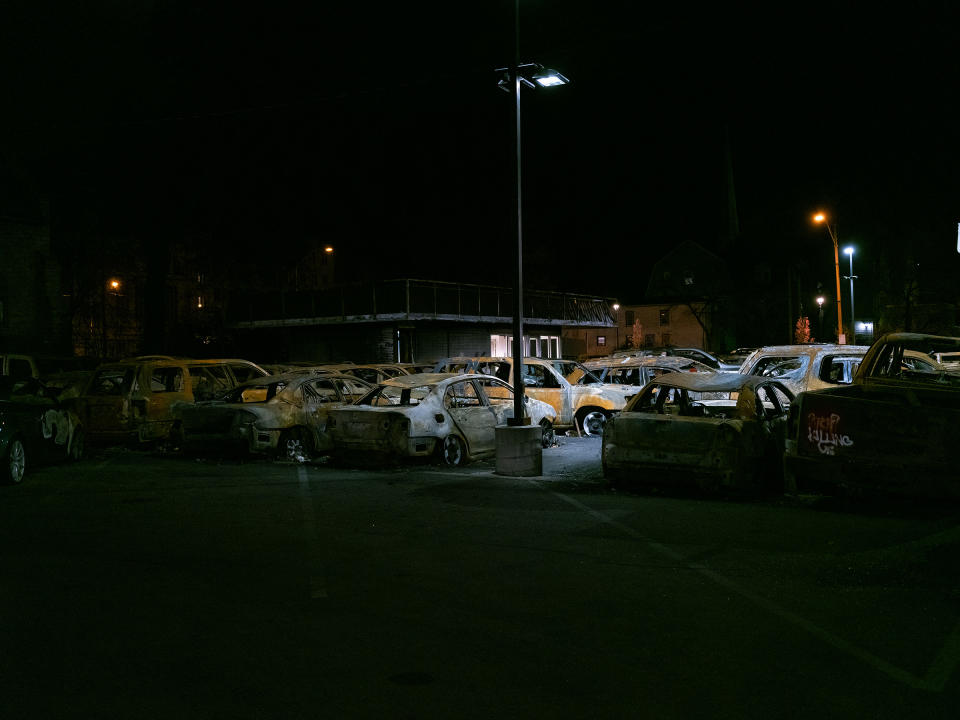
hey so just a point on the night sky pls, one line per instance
(378, 127)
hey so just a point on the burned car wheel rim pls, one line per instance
(593, 422)
(548, 436)
(17, 461)
(294, 445)
(453, 450)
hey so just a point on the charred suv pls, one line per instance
(895, 429)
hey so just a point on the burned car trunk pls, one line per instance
(719, 430)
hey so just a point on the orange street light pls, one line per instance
(822, 218)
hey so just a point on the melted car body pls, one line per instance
(450, 415)
(284, 414)
(708, 430)
(579, 399)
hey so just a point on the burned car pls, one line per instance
(450, 416)
(578, 397)
(131, 400)
(277, 414)
(806, 367)
(35, 426)
(894, 430)
(638, 371)
(722, 430)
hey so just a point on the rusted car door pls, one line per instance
(543, 383)
(472, 416)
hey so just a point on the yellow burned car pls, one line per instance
(132, 400)
(577, 396)
(285, 415)
(719, 430)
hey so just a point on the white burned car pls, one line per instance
(577, 396)
(282, 414)
(452, 416)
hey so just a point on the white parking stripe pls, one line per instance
(935, 679)
(318, 583)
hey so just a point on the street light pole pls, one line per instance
(514, 77)
(820, 300)
(519, 417)
(821, 218)
(853, 317)
(510, 458)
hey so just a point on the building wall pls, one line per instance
(34, 314)
(659, 324)
(582, 343)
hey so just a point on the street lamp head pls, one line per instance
(532, 75)
(114, 284)
(819, 217)
(615, 306)
(848, 251)
(820, 300)
(550, 78)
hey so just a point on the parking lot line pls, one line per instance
(934, 681)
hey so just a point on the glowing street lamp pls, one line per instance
(822, 218)
(851, 276)
(820, 300)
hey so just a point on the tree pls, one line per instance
(801, 331)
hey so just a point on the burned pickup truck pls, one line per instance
(895, 429)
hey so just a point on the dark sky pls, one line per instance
(378, 127)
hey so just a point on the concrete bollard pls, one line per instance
(519, 450)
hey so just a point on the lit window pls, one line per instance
(601, 339)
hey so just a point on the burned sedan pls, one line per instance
(451, 416)
(722, 430)
(282, 414)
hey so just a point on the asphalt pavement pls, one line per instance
(142, 585)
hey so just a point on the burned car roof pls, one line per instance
(665, 361)
(922, 342)
(419, 380)
(710, 382)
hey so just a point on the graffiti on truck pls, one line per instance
(824, 432)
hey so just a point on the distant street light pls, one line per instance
(852, 277)
(822, 218)
(820, 300)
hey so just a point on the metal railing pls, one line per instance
(410, 299)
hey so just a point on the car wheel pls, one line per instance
(592, 422)
(453, 451)
(76, 445)
(548, 436)
(295, 445)
(16, 461)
